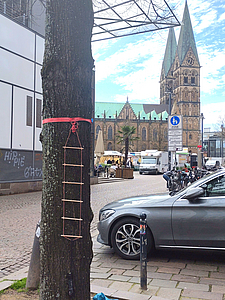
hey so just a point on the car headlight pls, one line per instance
(105, 214)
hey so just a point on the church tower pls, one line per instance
(184, 76)
(166, 78)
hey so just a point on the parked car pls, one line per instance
(212, 164)
(193, 218)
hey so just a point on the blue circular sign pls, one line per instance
(175, 120)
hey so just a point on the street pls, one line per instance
(20, 213)
(171, 274)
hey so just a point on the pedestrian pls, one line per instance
(166, 176)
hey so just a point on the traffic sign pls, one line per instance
(175, 133)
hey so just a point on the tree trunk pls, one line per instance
(66, 80)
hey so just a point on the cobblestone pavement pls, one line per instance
(171, 274)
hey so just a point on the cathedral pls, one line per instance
(179, 95)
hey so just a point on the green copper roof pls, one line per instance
(186, 38)
(170, 52)
(110, 109)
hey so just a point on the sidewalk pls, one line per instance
(170, 278)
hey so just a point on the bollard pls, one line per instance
(143, 251)
(33, 278)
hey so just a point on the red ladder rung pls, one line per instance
(73, 219)
(71, 165)
(77, 148)
(72, 236)
(70, 200)
(67, 182)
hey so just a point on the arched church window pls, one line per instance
(193, 96)
(143, 134)
(109, 146)
(155, 135)
(110, 133)
(165, 134)
(185, 80)
(97, 131)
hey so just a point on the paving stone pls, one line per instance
(157, 275)
(158, 298)
(151, 290)
(212, 281)
(218, 275)
(120, 278)
(100, 270)
(163, 283)
(193, 286)
(121, 286)
(131, 273)
(130, 296)
(99, 275)
(202, 295)
(101, 282)
(185, 278)
(106, 291)
(107, 264)
(149, 268)
(194, 273)
(218, 289)
(171, 293)
(201, 267)
(18, 275)
(117, 271)
(168, 270)
(5, 284)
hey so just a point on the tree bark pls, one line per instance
(66, 81)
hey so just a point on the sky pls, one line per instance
(131, 66)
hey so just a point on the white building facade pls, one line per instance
(21, 55)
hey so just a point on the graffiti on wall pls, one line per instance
(20, 165)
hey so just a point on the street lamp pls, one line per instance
(170, 106)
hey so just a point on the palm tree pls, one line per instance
(126, 137)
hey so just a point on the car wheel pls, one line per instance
(140, 173)
(125, 238)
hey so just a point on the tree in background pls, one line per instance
(66, 79)
(126, 137)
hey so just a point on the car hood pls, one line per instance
(140, 201)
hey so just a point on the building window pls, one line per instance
(97, 131)
(193, 80)
(155, 135)
(109, 147)
(166, 134)
(190, 136)
(185, 80)
(29, 111)
(38, 113)
(144, 134)
(110, 133)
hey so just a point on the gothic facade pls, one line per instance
(179, 95)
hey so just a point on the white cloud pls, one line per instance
(212, 113)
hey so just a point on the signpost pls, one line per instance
(175, 133)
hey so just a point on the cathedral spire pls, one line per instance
(186, 38)
(170, 52)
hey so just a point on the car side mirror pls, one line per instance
(194, 193)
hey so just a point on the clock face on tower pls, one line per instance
(190, 61)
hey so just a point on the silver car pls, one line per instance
(194, 218)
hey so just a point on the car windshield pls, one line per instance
(149, 160)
